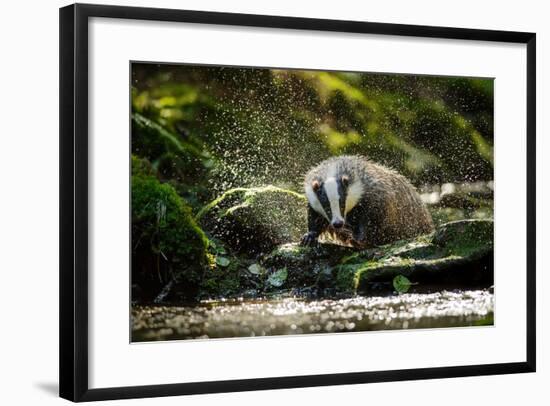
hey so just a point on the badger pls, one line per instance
(362, 204)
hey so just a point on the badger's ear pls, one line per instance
(315, 185)
(345, 180)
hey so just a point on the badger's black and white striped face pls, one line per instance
(334, 197)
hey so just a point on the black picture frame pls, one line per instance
(73, 252)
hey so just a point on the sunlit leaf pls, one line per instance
(223, 261)
(277, 278)
(255, 269)
(401, 283)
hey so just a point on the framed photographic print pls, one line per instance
(257, 202)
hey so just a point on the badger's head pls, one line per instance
(334, 197)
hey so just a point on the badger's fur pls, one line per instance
(362, 203)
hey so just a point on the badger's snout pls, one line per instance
(337, 223)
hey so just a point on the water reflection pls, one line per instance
(249, 318)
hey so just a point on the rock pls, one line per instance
(255, 220)
(466, 201)
(169, 249)
(306, 266)
(442, 215)
(451, 202)
(463, 195)
(458, 254)
(231, 280)
(465, 237)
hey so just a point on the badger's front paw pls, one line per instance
(359, 235)
(309, 239)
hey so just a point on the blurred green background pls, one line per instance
(208, 129)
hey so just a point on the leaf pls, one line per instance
(217, 247)
(255, 269)
(222, 261)
(277, 278)
(401, 283)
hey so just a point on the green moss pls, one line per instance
(442, 215)
(221, 281)
(488, 320)
(231, 280)
(460, 250)
(379, 270)
(465, 238)
(247, 195)
(347, 278)
(287, 254)
(457, 254)
(252, 220)
(168, 246)
(141, 167)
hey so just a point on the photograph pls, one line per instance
(268, 201)
(275, 203)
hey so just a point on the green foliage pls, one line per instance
(260, 125)
(167, 244)
(256, 269)
(230, 277)
(222, 282)
(223, 261)
(169, 153)
(278, 278)
(158, 207)
(401, 284)
(141, 167)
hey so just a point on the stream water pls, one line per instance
(249, 318)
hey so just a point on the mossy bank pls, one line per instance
(169, 249)
(244, 244)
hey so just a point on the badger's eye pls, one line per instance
(315, 185)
